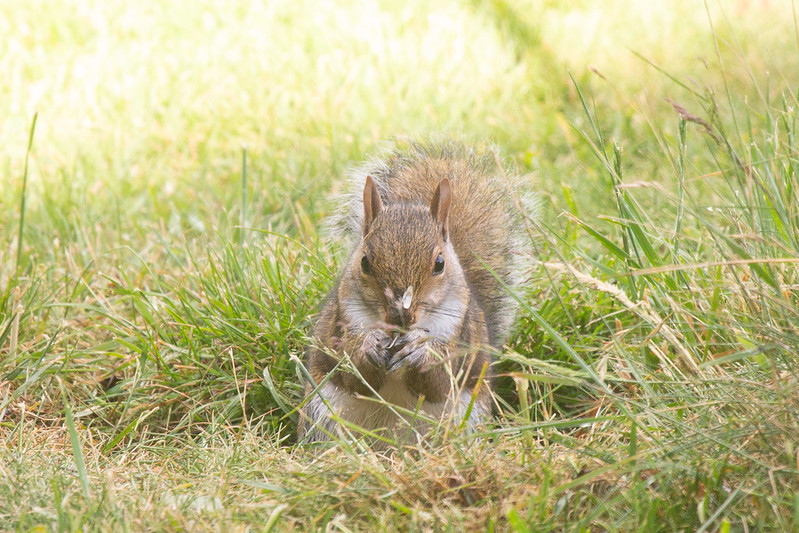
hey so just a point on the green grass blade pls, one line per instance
(77, 452)
(23, 196)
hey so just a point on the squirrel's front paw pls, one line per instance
(375, 347)
(413, 350)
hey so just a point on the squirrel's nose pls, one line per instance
(398, 316)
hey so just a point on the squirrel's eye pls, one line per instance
(438, 267)
(365, 266)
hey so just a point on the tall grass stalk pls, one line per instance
(243, 222)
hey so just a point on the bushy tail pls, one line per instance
(490, 218)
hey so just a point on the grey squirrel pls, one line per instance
(418, 305)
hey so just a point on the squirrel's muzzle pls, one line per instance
(397, 316)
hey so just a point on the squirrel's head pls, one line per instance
(406, 265)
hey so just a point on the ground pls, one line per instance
(166, 172)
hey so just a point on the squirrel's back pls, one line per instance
(488, 217)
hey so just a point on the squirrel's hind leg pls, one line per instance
(317, 424)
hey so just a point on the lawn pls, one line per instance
(166, 171)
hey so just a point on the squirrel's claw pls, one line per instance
(413, 350)
(410, 359)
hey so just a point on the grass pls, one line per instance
(148, 341)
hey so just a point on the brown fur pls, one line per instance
(481, 218)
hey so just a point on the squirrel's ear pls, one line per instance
(439, 207)
(371, 203)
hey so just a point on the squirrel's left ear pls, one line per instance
(439, 207)
(371, 203)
